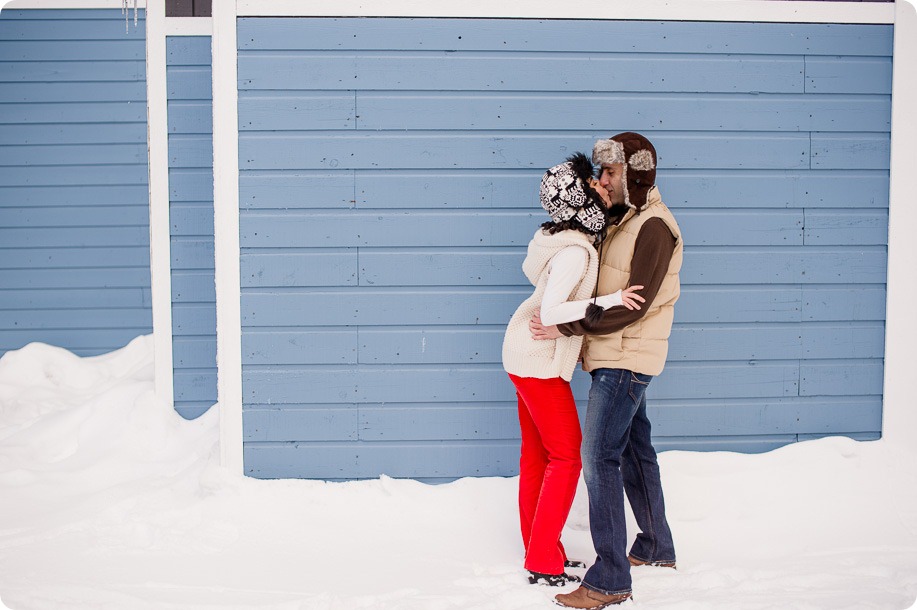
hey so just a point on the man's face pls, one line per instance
(611, 180)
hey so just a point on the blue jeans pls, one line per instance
(618, 455)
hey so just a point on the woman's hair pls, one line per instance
(552, 227)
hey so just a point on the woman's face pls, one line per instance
(602, 191)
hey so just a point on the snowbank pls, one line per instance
(111, 500)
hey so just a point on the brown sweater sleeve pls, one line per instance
(652, 254)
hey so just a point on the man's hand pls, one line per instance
(539, 331)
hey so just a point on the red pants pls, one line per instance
(548, 468)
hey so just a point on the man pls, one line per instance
(623, 350)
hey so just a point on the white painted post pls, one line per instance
(226, 233)
(160, 247)
(899, 406)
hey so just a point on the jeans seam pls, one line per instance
(649, 510)
(605, 592)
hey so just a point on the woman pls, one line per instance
(562, 263)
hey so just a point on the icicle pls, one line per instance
(125, 10)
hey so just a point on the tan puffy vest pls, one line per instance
(642, 346)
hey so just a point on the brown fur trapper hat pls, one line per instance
(639, 158)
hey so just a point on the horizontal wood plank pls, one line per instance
(194, 319)
(190, 117)
(442, 421)
(295, 111)
(189, 83)
(58, 71)
(52, 237)
(804, 265)
(471, 150)
(574, 35)
(74, 298)
(277, 385)
(318, 423)
(196, 385)
(67, 217)
(194, 352)
(849, 75)
(72, 50)
(77, 319)
(72, 134)
(640, 112)
(104, 112)
(191, 151)
(323, 268)
(48, 156)
(69, 258)
(518, 188)
(851, 150)
(114, 277)
(486, 305)
(57, 24)
(518, 71)
(192, 253)
(188, 50)
(485, 228)
(81, 341)
(368, 460)
(839, 378)
(314, 346)
(846, 227)
(193, 286)
(190, 185)
(67, 92)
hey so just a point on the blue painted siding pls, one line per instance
(74, 204)
(389, 177)
(188, 77)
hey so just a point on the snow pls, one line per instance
(110, 500)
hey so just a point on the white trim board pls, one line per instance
(160, 242)
(226, 234)
(667, 10)
(189, 26)
(59, 4)
(899, 418)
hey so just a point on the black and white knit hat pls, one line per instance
(639, 158)
(566, 195)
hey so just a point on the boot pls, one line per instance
(634, 562)
(587, 599)
(552, 580)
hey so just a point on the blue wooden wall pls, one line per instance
(74, 216)
(188, 77)
(389, 178)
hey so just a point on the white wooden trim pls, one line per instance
(668, 10)
(899, 417)
(27, 4)
(189, 26)
(226, 233)
(160, 248)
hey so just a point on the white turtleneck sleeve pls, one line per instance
(564, 273)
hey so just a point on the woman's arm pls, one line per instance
(566, 270)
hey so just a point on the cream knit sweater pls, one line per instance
(524, 356)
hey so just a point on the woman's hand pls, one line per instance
(630, 298)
